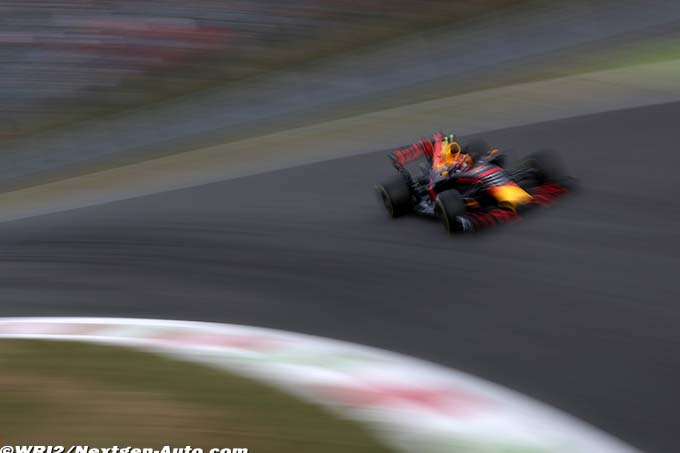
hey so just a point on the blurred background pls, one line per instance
(69, 60)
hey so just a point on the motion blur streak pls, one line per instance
(66, 60)
(575, 306)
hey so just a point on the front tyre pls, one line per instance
(450, 208)
(501, 161)
(395, 195)
(477, 148)
(547, 166)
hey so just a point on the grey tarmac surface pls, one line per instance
(576, 305)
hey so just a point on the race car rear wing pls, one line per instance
(401, 157)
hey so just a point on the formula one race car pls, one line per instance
(469, 187)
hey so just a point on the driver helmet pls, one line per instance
(459, 161)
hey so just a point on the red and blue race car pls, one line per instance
(469, 187)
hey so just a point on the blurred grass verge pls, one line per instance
(75, 393)
(72, 61)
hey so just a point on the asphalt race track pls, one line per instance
(576, 305)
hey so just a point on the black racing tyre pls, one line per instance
(450, 207)
(500, 160)
(395, 195)
(547, 165)
(477, 148)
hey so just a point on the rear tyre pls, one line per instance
(395, 195)
(547, 166)
(450, 207)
